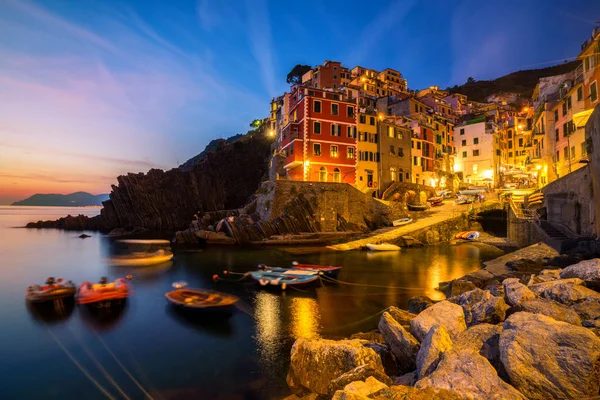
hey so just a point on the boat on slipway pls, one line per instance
(383, 247)
(402, 221)
(468, 235)
(417, 207)
(139, 253)
(281, 278)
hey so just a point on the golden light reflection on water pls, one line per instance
(433, 279)
(268, 323)
(306, 318)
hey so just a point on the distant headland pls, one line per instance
(77, 199)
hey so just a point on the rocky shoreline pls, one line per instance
(524, 327)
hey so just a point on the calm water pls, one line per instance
(173, 356)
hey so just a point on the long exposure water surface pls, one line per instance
(169, 354)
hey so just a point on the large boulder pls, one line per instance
(550, 308)
(550, 359)
(402, 392)
(390, 366)
(540, 288)
(587, 270)
(569, 293)
(588, 308)
(359, 390)
(450, 315)
(552, 272)
(481, 306)
(466, 372)
(360, 373)
(435, 344)
(484, 339)
(458, 286)
(372, 336)
(516, 292)
(404, 346)
(417, 304)
(315, 363)
(401, 316)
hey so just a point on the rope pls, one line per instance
(99, 365)
(122, 366)
(95, 382)
(338, 328)
(329, 279)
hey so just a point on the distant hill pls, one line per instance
(521, 82)
(78, 199)
(212, 147)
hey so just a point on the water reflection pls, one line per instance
(104, 318)
(217, 325)
(51, 312)
(267, 314)
(305, 318)
(147, 273)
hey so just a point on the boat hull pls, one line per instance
(141, 261)
(281, 280)
(412, 207)
(330, 271)
(383, 247)
(100, 296)
(52, 293)
(400, 222)
(202, 301)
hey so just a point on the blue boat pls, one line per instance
(284, 277)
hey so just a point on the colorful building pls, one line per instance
(590, 57)
(320, 139)
(369, 156)
(395, 149)
(477, 146)
(329, 75)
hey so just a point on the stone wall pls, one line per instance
(592, 138)
(570, 202)
(524, 232)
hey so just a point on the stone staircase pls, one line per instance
(552, 232)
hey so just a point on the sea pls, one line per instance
(147, 349)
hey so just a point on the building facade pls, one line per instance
(395, 150)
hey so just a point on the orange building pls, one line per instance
(329, 75)
(590, 57)
(320, 139)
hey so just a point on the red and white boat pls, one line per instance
(103, 293)
(327, 270)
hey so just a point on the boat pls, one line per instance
(417, 207)
(437, 203)
(402, 221)
(139, 253)
(464, 200)
(435, 199)
(328, 270)
(103, 293)
(283, 277)
(53, 290)
(471, 191)
(382, 247)
(202, 300)
(468, 235)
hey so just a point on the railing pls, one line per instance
(523, 213)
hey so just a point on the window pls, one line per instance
(415, 160)
(566, 153)
(349, 130)
(497, 152)
(510, 133)
(475, 168)
(400, 135)
(350, 153)
(521, 141)
(317, 128)
(475, 140)
(362, 119)
(392, 149)
(556, 134)
(475, 153)
(323, 174)
(333, 151)
(373, 138)
(462, 131)
(400, 152)
(317, 106)
(316, 149)
(558, 156)
(565, 131)
(416, 108)
(464, 142)
(583, 150)
(337, 176)
(510, 144)
(564, 108)
(418, 145)
(464, 154)
(335, 130)
(391, 131)
(556, 115)
(593, 92)
(335, 109)
(572, 152)
(372, 121)
(393, 174)
(510, 154)
(580, 93)
(350, 112)
(569, 105)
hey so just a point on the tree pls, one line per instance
(256, 123)
(295, 75)
(470, 80)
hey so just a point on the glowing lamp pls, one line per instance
(538, 167)
(488, 173)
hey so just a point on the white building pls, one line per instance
(477, 153)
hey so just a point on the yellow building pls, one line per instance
(368, 159)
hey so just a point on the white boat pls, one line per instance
(142, 253)
(402, 221)
(382, 247)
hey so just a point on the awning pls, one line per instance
(581, 118)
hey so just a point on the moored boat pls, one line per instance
(54, 289)
(417, 207)
(145, 252)
(283, 277)
(464, 200)
(327, 270)
(103, 293)
(468, 235)
(435, 199)
(383, 247)
(202, 300)
(402, 221)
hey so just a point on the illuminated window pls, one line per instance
(475, 168)
(337, 176)
(333, 152)
(323, 174)
(393, 174)
(351, 153)
(317, 149)
(391, 131)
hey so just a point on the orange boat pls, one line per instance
(103, 293)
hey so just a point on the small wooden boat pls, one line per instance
(53, 290)
(146, 252)
(283, 277)
(437, 203)
(203, 300)
(383, 247)
(468, 235)
(402, 221)
(435, 199)
(417, 207)
(328, 270)
(103, 293)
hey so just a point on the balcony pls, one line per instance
(539, 131)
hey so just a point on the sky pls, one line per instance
(92, 89)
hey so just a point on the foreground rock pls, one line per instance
(549, 359)
(444, 313)
(362, 373)
(403, 344)
(417, 304)
(483, 339)
(569, 293)
(550, 308)
(588, 308)
(359, 389)
(516, 292)
(433, 347)
(540, 288)
(588, 270)
(469, 374)
(411, 393)
(315, 363)
(401, 316)
(458, 287)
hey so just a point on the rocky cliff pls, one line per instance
(164, 201)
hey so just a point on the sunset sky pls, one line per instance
(93, 89)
